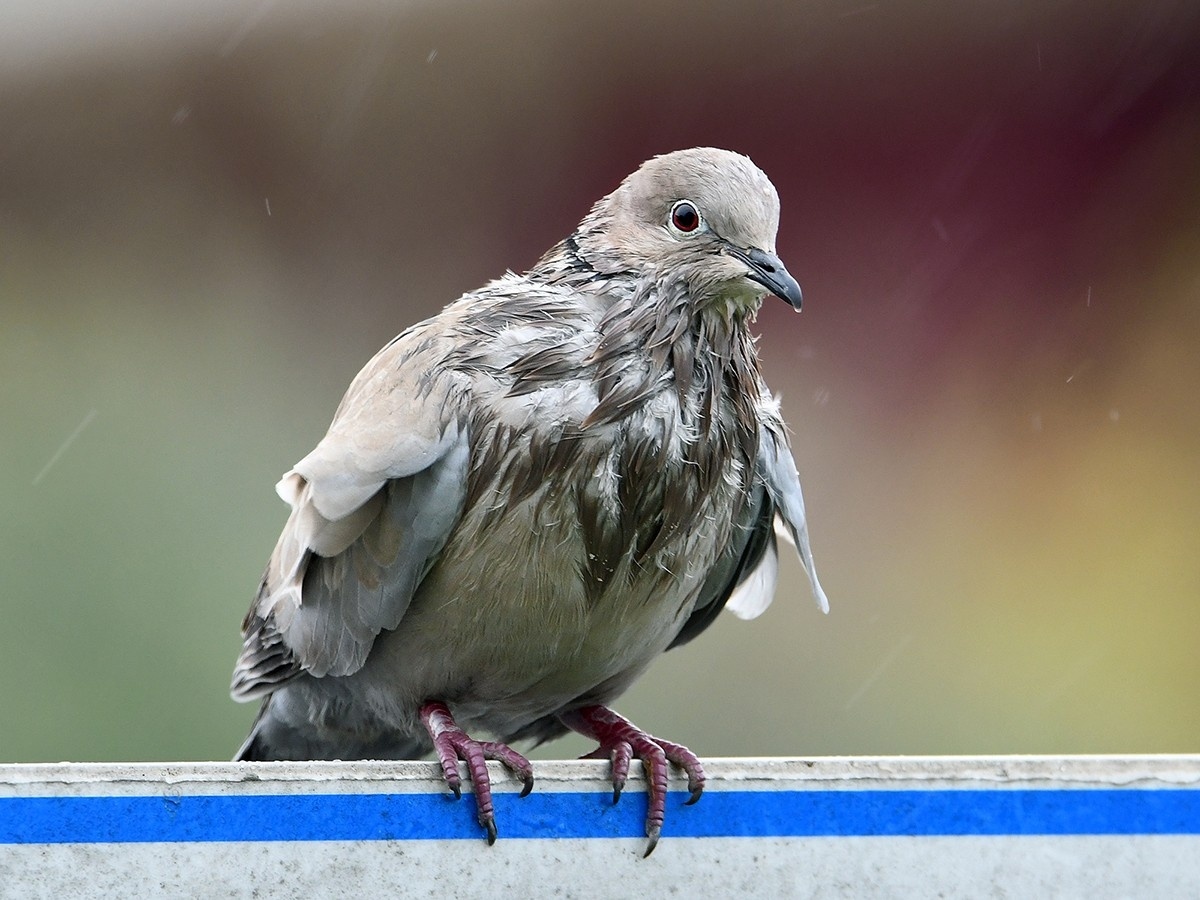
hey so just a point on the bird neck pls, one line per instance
(655, 337)
(566, 264)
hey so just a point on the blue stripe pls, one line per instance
(818, 813)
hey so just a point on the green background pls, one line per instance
(211, 218)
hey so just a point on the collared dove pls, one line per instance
(525, 499)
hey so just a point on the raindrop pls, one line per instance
(62, 448)
(884, 664)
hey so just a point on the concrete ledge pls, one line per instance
(903, 826)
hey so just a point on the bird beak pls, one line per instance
(768, 270)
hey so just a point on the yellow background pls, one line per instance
(211, 217)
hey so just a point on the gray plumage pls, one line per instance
(524, 500)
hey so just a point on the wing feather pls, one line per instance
(372, 506)
(751, 543)
(777, 469)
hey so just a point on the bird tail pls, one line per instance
(271, 739)
(253, 748)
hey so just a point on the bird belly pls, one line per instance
(506, 629)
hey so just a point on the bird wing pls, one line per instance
(777, 470)
(749, 557)
(743, 578)
(372, 506)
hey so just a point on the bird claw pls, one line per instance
(688, 761)
(652, 835)
(620, 740)
(451, 744)
(620, 755)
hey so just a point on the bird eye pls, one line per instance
(685, 217)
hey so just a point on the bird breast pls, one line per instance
(580, 554)
(584, 541)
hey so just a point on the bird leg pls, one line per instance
(451, 744)
(620, 740)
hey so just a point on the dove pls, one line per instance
(524, 500)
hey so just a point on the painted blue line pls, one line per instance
(818, 813)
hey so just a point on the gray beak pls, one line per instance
(768, 270)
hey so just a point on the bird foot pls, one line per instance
(620, 740)
(451, 744)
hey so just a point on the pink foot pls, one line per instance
(621, 740)
(451, 744)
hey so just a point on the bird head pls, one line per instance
(703, 216)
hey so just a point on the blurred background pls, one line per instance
(211, 215)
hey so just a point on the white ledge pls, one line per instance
(1094, 826)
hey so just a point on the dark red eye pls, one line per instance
(684, 216)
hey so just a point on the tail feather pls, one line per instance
(253, 749)
(271, 739)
